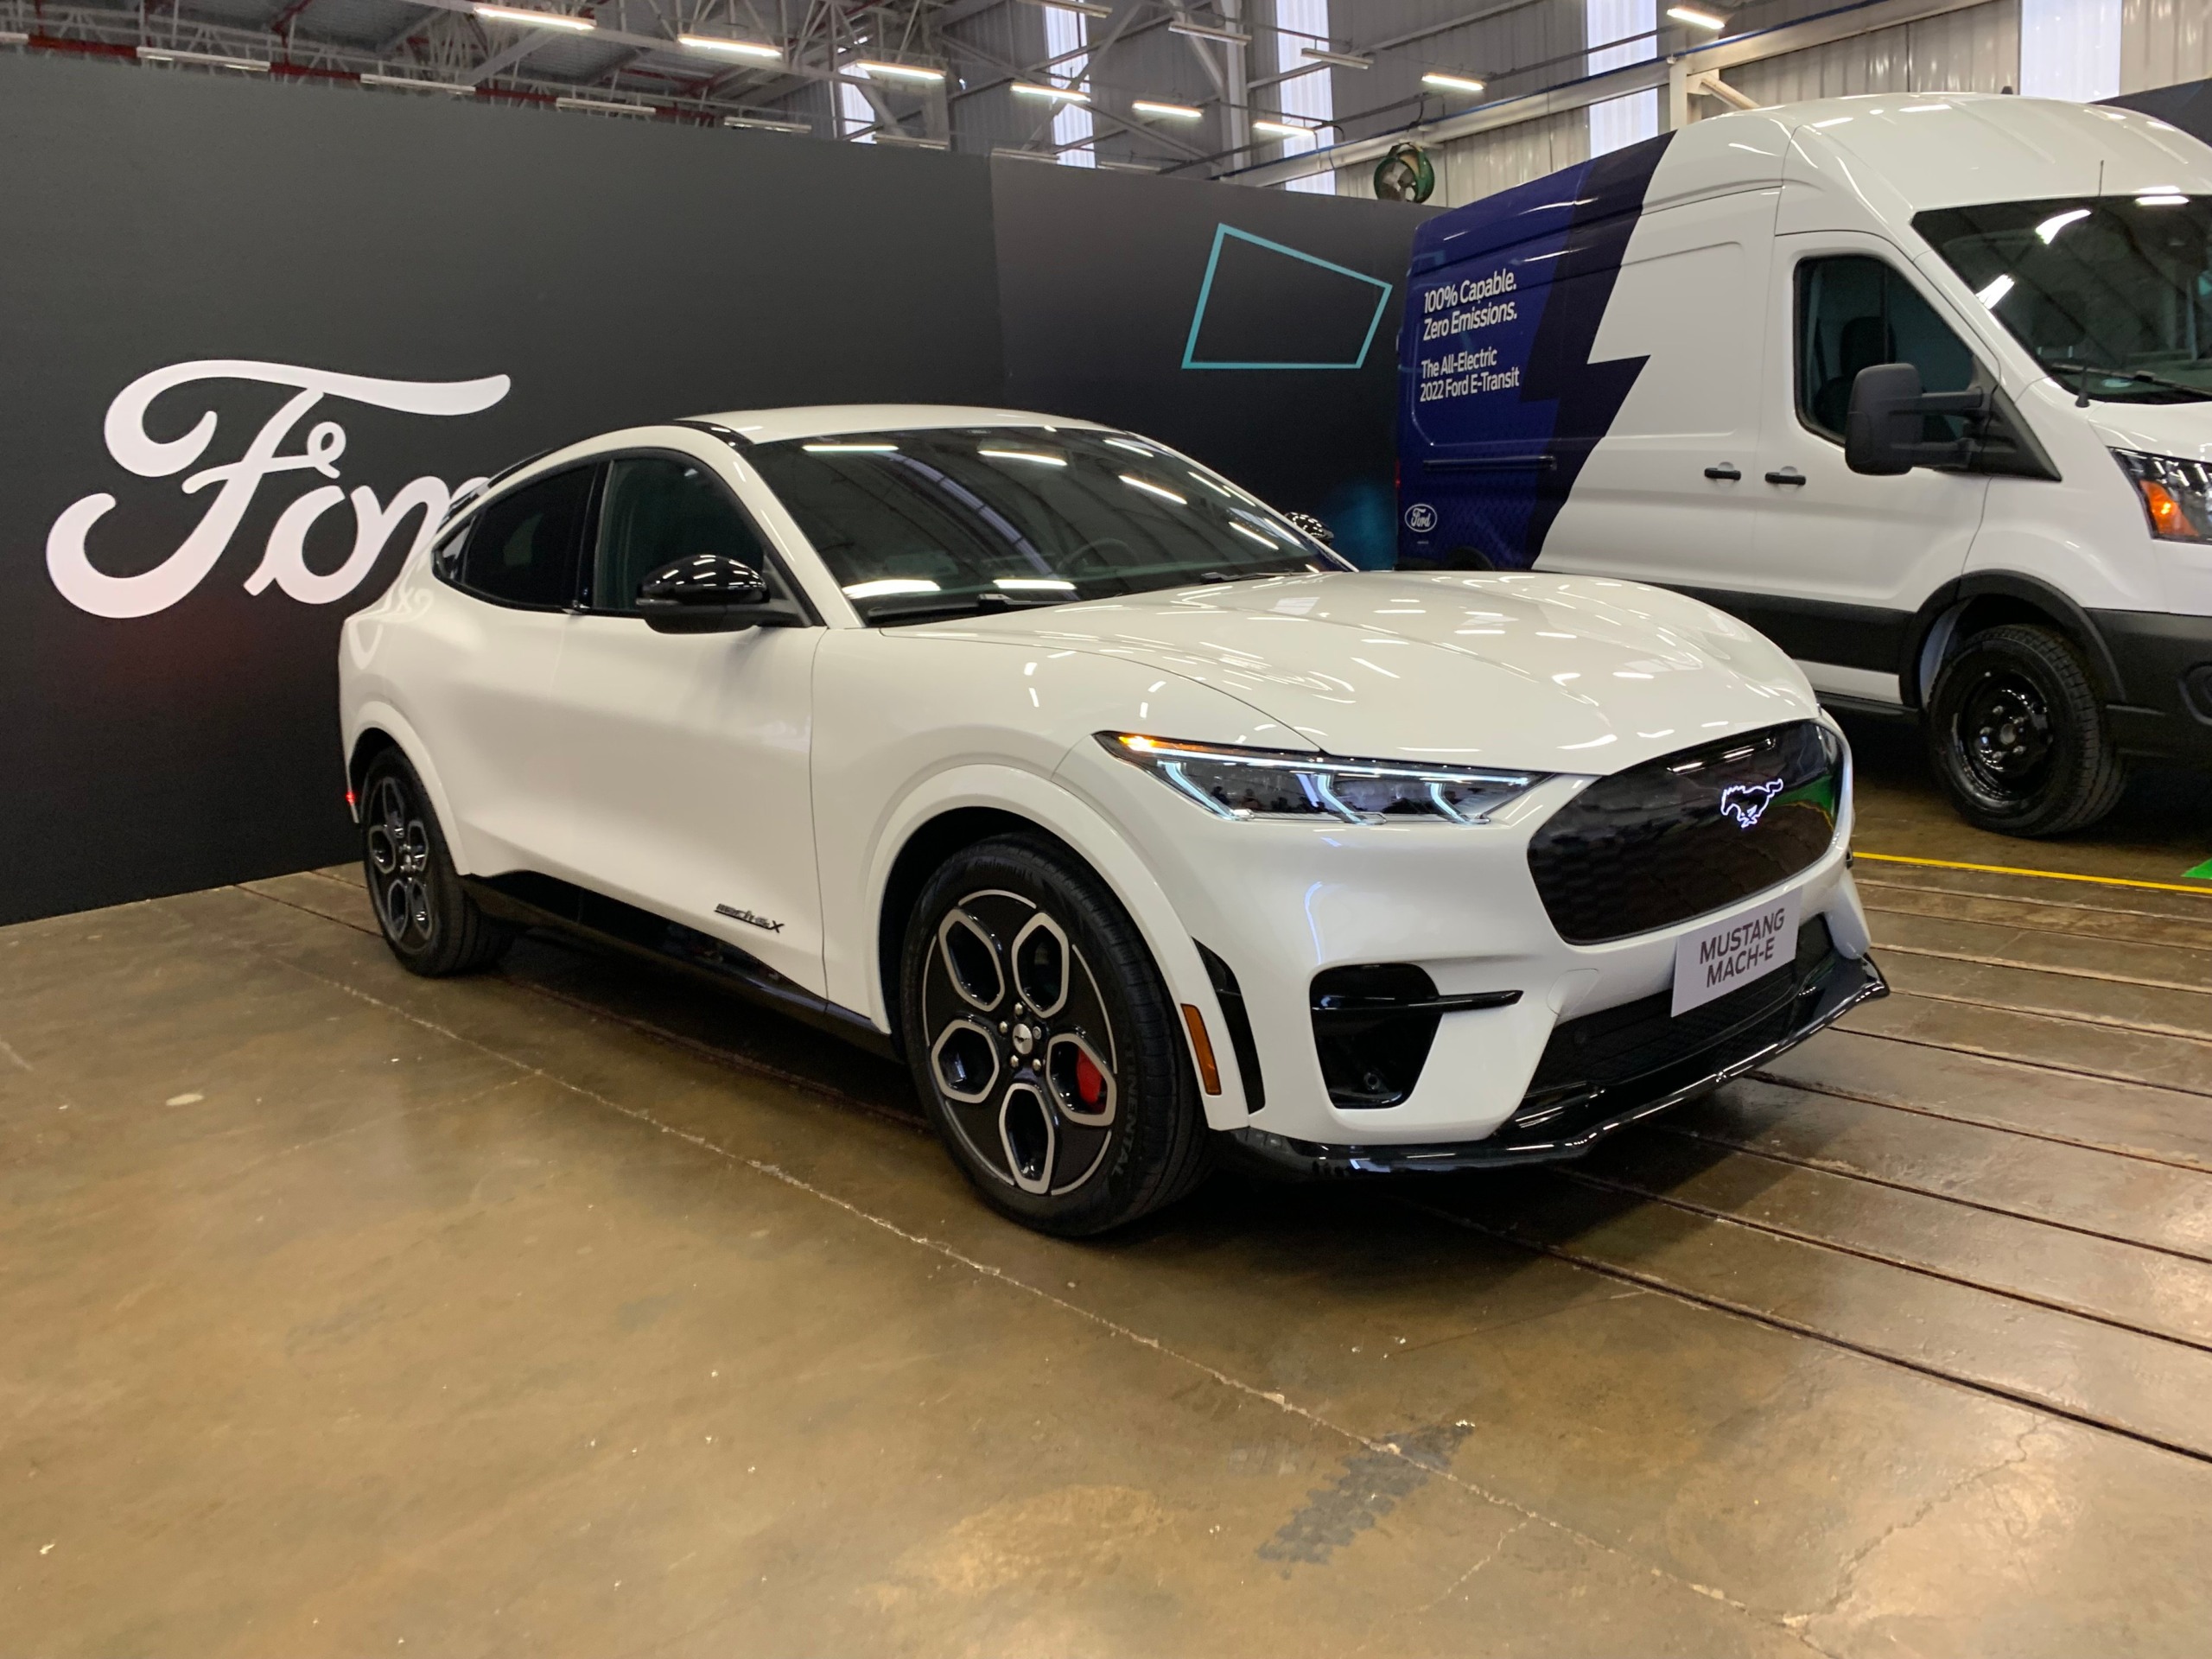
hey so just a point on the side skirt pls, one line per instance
(535, 900)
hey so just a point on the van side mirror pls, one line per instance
(710, 592)
(1884, 433)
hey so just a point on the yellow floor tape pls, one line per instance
(2048, 875)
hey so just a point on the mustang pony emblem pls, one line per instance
(1747, 802)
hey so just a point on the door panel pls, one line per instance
(686, 755)
(1645, 506)
(483, 697)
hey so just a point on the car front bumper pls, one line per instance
(1565, 1118)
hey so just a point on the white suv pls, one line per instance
(1109, 796)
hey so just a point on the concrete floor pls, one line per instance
(572, 1310)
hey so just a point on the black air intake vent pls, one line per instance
(1373, 1025)
(1690, 832)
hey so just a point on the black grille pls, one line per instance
(1687, 833)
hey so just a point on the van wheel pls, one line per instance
(2018, 737)
(427, 917)
(1043, 1043)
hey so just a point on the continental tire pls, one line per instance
(428, 919)
(2017, 733)
(1044, 1044)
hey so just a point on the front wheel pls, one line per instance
(428, 919)
(2017, 734)
(1044, 1044)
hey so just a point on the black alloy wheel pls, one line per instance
(1043, 1043)
(429, 921)
(2017, 734)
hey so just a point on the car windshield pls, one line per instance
(2112, 294)
(951, 521)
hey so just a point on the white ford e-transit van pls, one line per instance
(1919, 386)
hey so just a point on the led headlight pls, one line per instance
(2176, 494)
(1241, 783)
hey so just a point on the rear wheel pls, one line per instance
(1044, 1044)
(429, 921)
(2017, 734)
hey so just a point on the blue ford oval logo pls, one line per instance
(1420, 517)
(1747, 802)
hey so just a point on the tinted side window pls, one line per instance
(524, 547)
(1853, 312)
(658, 510)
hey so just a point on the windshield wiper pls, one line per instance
(923, 609)
(2083, 371)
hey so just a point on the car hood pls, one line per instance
(1528, 671)
(2180, 430)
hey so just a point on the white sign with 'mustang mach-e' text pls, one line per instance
(1718, 959)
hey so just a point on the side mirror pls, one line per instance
(710, 592)
(1883, 434)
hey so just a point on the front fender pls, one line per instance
(375, 714)
(1054, 809)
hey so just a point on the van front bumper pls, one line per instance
(2164, 664)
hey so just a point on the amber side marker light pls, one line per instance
(2166, 511)
(1202, 1045)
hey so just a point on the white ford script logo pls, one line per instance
(1420, 517)
(1716, 959)
(283, 559)
(1747, 802)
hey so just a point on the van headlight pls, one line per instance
(1240, 783)
(2176, 494)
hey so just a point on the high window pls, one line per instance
(1067, 42)
(1309, 98)
(1621, 32)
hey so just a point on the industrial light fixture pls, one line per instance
(1342, 60)
(401, 83)
(764, 123)
(1210, 32)
(734, 49)
(1697, 17)
(1166, 111)
(909, 141)
(213, 61)
(1451, 83)
(1066, 94)
(869, 69)
(603, 106)
(537, 19)
(1085, 6)
(1282, 128)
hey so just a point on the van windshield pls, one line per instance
(954, 521)
(2113, 294)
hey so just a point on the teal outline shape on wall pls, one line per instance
(1222, 232)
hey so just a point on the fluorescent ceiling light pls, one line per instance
(1166, 111)
(1001, 151)
(1342, 60)
(1025, 89)
(1282, 128)
(1991, 296)
(909, 141)
(883, 586)
(760, 49)
(1159, 490)
(1697, 17)
(213, 61)
(1033, 584)
(2161, 199)
(2051, 227)
(1210, 32)
(851, 448)
(1025, 454)
(1125, 167)
(1453, 83)
(763, 123)
(603, 106)
(1085, 6)
(537, 19)
(401, 83)
(869, 69)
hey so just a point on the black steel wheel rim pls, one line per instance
(2002, 737)
(398, 841)
(1021, 1050)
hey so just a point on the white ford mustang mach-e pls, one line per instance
(1141, 824)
